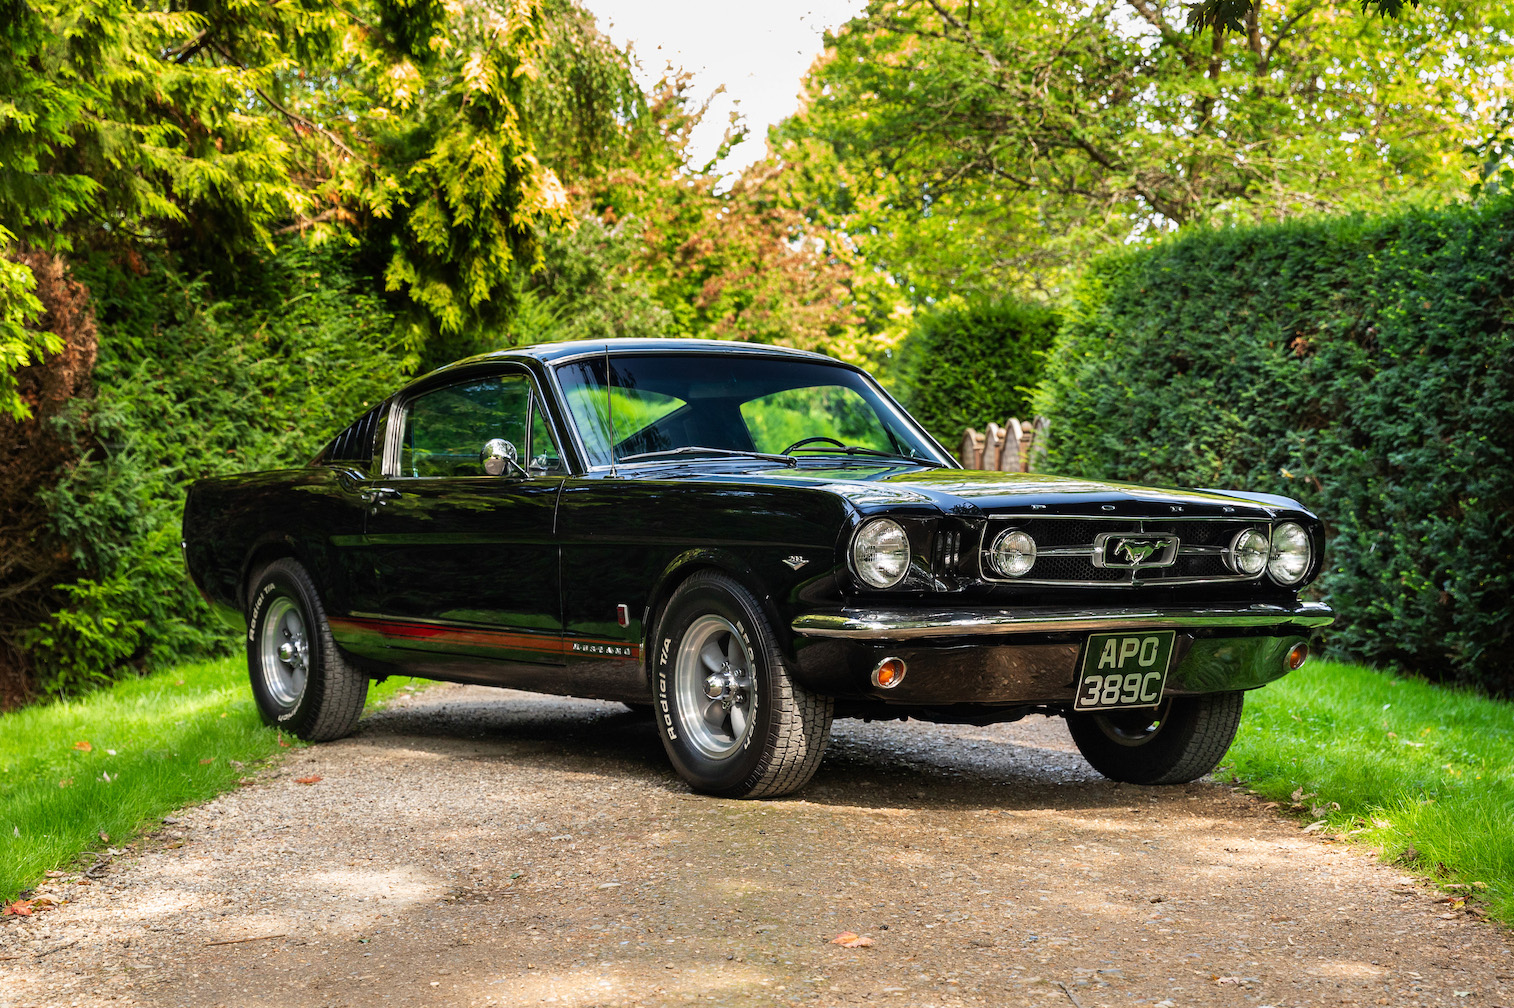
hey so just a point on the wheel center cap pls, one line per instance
(724, 686)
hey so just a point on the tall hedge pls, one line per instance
(1364, 366)
(190, 381)
(967, 363)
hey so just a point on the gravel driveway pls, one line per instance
(483, 847)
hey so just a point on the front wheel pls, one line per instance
(1179, 741)
(733, 721)
(300, 679)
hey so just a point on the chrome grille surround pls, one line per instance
(1071, 549)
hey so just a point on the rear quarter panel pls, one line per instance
(235, 523)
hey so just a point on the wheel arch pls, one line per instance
(691, 562)
(265, 551)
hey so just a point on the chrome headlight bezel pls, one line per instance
(1290, 554)
(868, 545)
(1249, 552)
(1012, 553)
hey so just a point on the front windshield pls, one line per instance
(733, 403)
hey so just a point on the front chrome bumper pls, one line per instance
(917, 624)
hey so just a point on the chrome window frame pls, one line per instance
(392, 426)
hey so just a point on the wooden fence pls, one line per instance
(1015, 447)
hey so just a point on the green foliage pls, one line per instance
(1424, 773)
(193, 385)
(1238, 15)
(1362, 365)
(969, 363)
(459, 180)
(993, 144)
(19, 344)
(208, 132)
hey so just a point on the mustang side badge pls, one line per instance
(795, 562)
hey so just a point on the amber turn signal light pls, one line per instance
(888, 673)
(1297, 655)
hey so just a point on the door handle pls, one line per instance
(379, 494)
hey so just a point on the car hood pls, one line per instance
(968, 492)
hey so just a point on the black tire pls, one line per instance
(1183, 740)
(301, 680)
(714, 629)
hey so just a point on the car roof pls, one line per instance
(552, 353)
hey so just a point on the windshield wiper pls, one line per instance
(702, 450)
(872, 453)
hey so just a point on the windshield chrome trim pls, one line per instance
(909, 624)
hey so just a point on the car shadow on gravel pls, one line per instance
(1028, 765)
(580, 735)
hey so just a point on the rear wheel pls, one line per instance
(300, 679)
(1179, 741)
(732, 719)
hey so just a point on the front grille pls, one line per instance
(1066, 550)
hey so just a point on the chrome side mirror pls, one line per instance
(497, 456)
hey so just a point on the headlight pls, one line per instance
(1248, 552)
(1013, 554)
(1288, 560)
(880, 553)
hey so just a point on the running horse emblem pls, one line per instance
(1136, 551)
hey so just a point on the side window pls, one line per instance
(446, 429)
(546, 460)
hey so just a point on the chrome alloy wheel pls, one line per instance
(714, 686)
(284, 652)
(1133, 728)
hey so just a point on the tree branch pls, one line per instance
(185, 52)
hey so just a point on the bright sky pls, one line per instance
(759, 53)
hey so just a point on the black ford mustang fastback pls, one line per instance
(749, 541)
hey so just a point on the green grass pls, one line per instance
(154, 745)
(1424, 773)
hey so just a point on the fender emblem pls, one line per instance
(795, 562)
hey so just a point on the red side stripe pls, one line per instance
(405, 630)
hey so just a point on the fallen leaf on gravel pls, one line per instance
(307, 780)
(847, 939)
(1228, 980)
(20, 908)
(1315, 826)
(83, 746)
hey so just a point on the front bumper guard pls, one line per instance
(917, 624)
